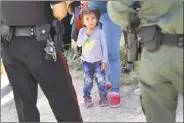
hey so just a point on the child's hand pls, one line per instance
(103, 66)
(89, 32)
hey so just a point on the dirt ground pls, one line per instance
(129, 111)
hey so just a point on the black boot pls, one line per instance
(129, 68)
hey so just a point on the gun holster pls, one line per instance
(152, 37)
(42, 32)
(6, 33)
(59, 31)
(132, 47)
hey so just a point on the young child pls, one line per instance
(94, 56)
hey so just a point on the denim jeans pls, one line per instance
(113, 36)
(91, 71)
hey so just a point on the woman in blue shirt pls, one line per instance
(113, 36)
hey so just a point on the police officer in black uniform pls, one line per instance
(25, 35)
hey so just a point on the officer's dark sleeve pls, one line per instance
(74, 4)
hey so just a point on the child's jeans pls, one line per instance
(93, 70)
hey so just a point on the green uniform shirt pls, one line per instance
(168, 15)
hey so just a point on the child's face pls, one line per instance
(90, 20)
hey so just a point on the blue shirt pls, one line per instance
(99, 50)
(101, 5)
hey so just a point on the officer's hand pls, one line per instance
(103, 66)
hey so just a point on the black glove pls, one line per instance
(136, 21)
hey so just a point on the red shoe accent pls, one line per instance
(88, 102)
(115, 101)
(108, 86)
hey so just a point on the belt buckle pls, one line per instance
(24, 31)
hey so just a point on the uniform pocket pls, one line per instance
(151, 36)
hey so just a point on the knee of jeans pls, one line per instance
(88, 80)
(113, 56)
(100, 78)
(102, 86)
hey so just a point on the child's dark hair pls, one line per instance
(92, 10)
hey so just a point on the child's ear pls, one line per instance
(82, 22)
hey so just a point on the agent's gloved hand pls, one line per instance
(136, 21)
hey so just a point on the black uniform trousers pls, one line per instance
(26, 67)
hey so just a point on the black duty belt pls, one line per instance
(41, 32)
(172, 40)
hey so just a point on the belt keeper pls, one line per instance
(180, 41)
(32, 31)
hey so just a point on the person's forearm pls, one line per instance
(82, 38)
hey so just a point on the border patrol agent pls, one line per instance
(26, 29)
(133, 50)
(161, 65)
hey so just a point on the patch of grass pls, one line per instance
(2, 68)
(123, 56)
(73, 58)
(131, 78)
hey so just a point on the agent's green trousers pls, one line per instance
(161, 79)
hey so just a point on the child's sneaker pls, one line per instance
(115, 100)
(88, 101)
(108, 86)
(103, 102)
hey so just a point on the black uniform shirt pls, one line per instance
(26, 13)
